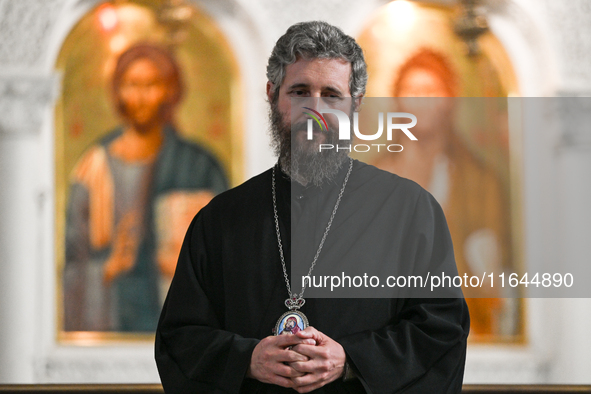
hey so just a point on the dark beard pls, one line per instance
(304, 163)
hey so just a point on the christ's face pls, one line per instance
(422, 82)
(143, 91)
(429, 99)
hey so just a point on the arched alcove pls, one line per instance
(89, 112)
(473, 176)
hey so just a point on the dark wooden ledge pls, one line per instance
(82, 388)
(157, 389)
(523, 389)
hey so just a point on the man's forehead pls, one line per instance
(319, 72)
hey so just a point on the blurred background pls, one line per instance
(510, 162)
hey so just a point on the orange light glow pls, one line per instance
(107, 16)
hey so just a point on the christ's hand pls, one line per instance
(125, 246)
(325, 363)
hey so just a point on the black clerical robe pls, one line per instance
(228, 290)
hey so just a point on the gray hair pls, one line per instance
(312, 40)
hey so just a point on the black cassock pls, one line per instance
(228, 290)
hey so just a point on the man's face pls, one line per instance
(325, 82)
(143, 91)
(317, 84)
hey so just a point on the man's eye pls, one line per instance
(332, 98)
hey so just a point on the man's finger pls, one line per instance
(286, 371)
(310, 366)
(290, 356)
(310, 351)
(312, 333)
(280, 381)
(308, 332)
(289, 340)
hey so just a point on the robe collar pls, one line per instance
(301, 192)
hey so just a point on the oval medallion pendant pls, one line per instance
(290, 323)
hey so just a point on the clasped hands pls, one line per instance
(304, 361)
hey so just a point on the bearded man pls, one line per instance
(232, 281)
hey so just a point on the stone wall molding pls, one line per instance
(24, 101)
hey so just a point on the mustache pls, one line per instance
(302, 163)
(303, 126)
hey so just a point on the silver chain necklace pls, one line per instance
(294, 320)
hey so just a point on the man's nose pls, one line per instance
(314, 102)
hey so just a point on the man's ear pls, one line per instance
(269, 91)
(358, 101)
